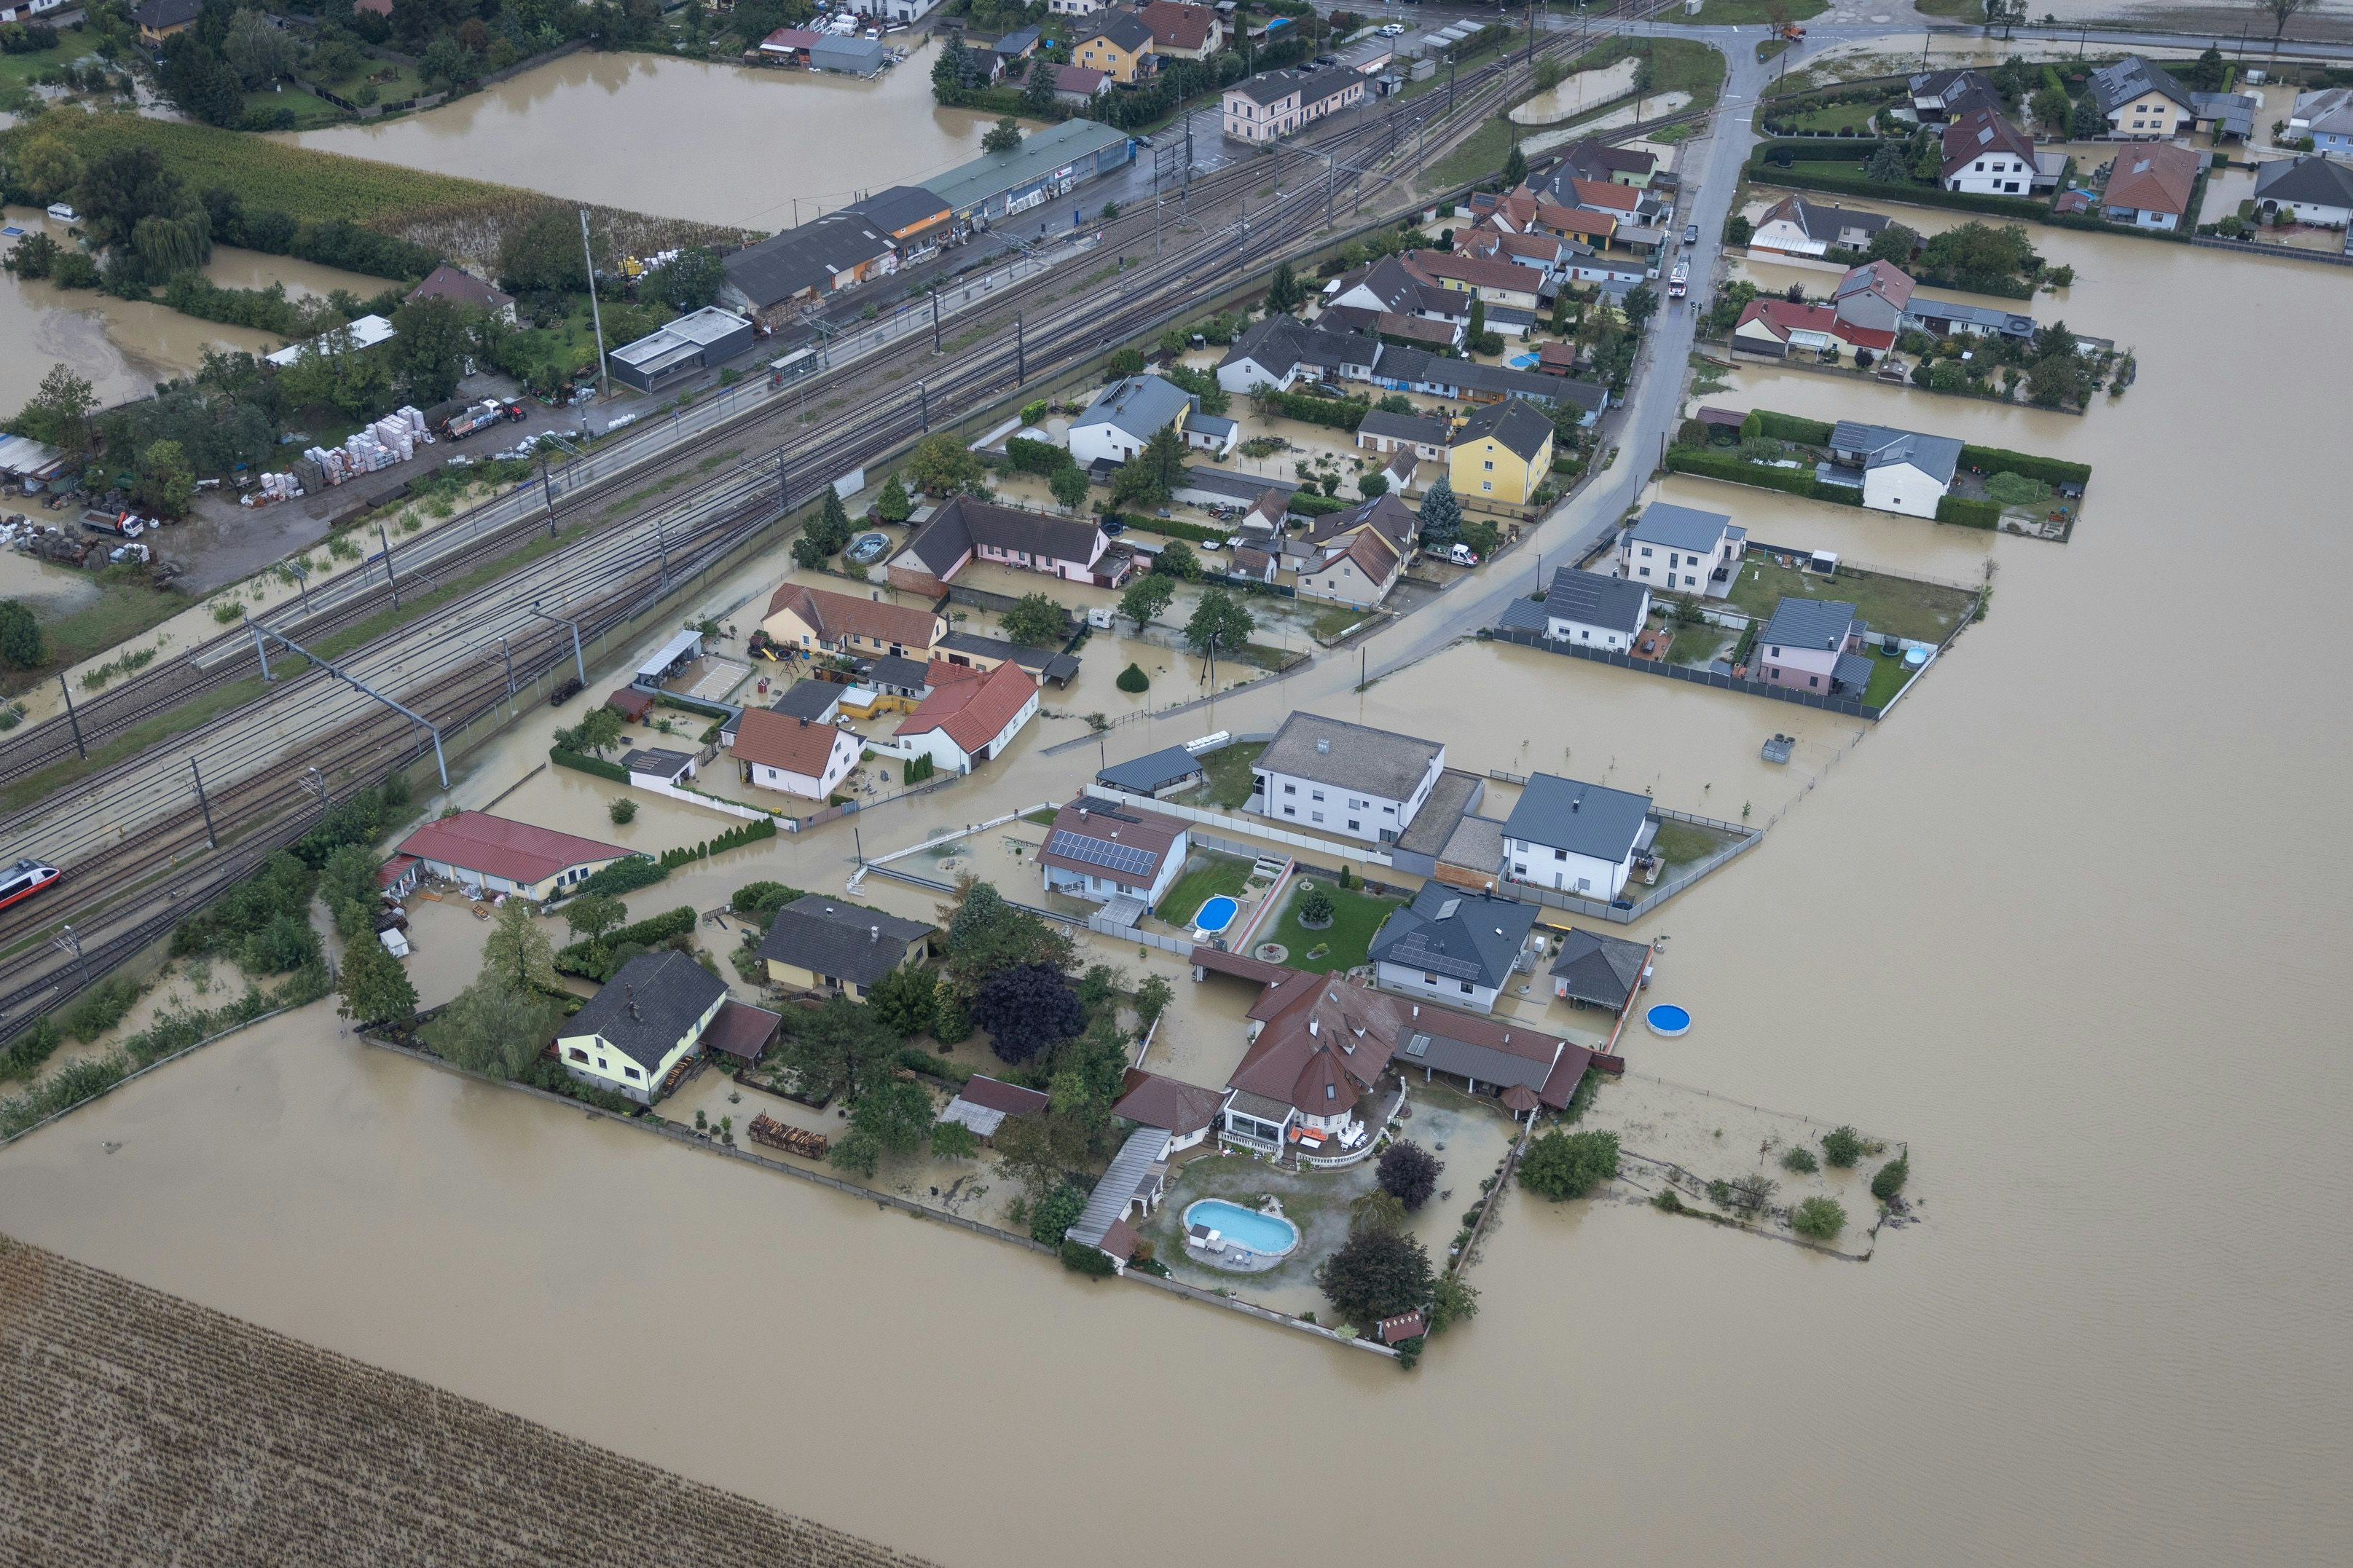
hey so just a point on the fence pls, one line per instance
(2249, 248)
(1594, 909)
(1366, 853)
(1846, 705)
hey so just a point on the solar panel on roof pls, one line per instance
(1101, 851)
(1416, 952)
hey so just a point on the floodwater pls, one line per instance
(718, 143)
(2071, 922)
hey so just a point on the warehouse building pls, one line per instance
(1049, 163)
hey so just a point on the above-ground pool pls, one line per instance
(866, 549)
(1666, 1020)
(1524, 362)
(1216, 915)
(1269, 1236)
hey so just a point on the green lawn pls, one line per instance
(1697, 643)
(310, 109)
(1231, 783)
(1846, 118)
(1684, 843)
(1887, 678)
(18, 70)
(1966, 10)
(125, 606)
(1677, 65)
(1898, 604)
(1338, 619)
(1356, 917)
(1478, 158)
(1206, 876)
(1751, 12)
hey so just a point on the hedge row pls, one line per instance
(1760, 172)
(624, 877)
(1338, 414)
(734, 837)
(694, 705)
(1789, 481)
(1309, 504)
(1174, 530)
(1967, 513)
(2050, 470)
(1786, 428)
(595, 959)
(586, 764)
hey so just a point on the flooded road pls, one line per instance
(2065, 923)
(720, 144)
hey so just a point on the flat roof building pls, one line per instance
(672, 352)
(1048, 163)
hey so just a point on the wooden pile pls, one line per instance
(792, 1140)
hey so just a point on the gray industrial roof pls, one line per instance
(1680, 527)
(1152, 771)
(1355, 756)
(807, 256)
(1810, 623)
(1935, 455)
(1461, 935)
(1600, 968)
(1583, 818)
(973, 184)
(1614, 604)
(899, 207)
(646, 1009)
(859, 56)
(826, 935)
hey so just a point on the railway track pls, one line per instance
(634, 560)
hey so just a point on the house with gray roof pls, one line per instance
(649, 1017)
(1683, 549)
(1576, 838)
(1813, 645)
(832, 946)
(1280, 351)
(1452, 947)
(1590, 610)
(1334, 779)
(2327, 116)
(1595, 970)
(1900, 471)
(2314, 188)
(1426, 436)
(1125, 416)
(2142, 101)
(1155, 774)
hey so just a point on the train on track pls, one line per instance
(25, 878)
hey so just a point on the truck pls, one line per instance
(124, 524)
(455, 421)
(1679, 280)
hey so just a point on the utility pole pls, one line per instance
(935, 321)
(262, 652)
(74, 718)
(302, 583)
(204, 806)
(507, 656)
(67, 941)
(439, 761)
(547, 494)
(1020, 354)
(596, 316)
(923, 407)
(662, 548)
(394, 582)
(579, 664)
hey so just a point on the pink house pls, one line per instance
(964, 530)
(1813, 645)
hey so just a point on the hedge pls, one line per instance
(1336, 413)
(586, 764)
(1786, 428)
(1037, 457)
(734, 837)
(593, 959)
(624, 877)
(695, 705)
(1789, 481)
(2050, 470)
(1762, 170)
(1174, 530)
(1308, 503)
(1966, 513)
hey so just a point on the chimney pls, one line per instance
(874, 933)
(629, 998)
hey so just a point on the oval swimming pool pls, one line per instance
(1269, 1235)
(1667, 1021)
(1216, 915)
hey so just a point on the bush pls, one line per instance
(625, 876)
(1409, 1173)
(99, 1009)
(1561, 1165)
(622, 809)
(1843, 1146)
(1091, 1261)
(1818, 1218)
(1801, 1159)
(1315, 909)
(916, 769)
(1891, 1178)
(583, 763)
(1057, 1212)
(1133, 679)
(1963, 512)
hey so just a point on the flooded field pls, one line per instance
(1980, 931)
(722, 143)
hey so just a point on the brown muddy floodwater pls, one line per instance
(2073, 923)
(720, 144)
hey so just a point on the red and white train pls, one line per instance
(25, 878)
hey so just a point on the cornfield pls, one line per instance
(143, 1428)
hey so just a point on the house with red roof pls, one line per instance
(968, 717)
(1782, 330)
(490, 854)
(817, 620)
(794, 756)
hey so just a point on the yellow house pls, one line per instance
(2142, 101)
(648, 1017)
(1116, 43)
(1502, 453)
(830, 945)
(818, 620)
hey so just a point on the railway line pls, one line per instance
(133, 839)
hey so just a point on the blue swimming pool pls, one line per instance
(1269, 1235)
(1667, 1021)
(1216, 915)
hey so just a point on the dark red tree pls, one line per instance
(1409, 1173)
(1025, 1010)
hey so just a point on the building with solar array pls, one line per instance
(1105, 852)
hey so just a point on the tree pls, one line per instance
(1146, 479)
(1068, 484)
(1376, 1210)
(839, 1049)
(1177, 560)
(2205, 73)
(1894, 242)
(1127, 361)
(493, 1028)
(948, 70)
(905, 1000)
(954, 1141)
(23, 645)
(1410, 1171)
(1886, 165)
(1219, 621)
(1037, 88)
(1315, 910)
(543, 256)
(2055, 342)
(1057, 1212)
(1026, 1008)
(164, 484)
(893, 504)
(986, 934)
(2052, 111)
(1133, 680)
(1376, 1274)
(59, 412)
(2087, 120)
(257, 52)
(47, 168)
(2282, 12)
(1283, 292)
(1568, 1164)
(1152, 999)
(1002, 137)
(1818, 1218)
(941, 465)
(1640, 304)
(892, 1119)
(448, 65)
(1145, 598)
(1842, 1146)
(1368, 486)
(1442, 515)
(195, 78)
(1738, 230)
(689, 280)
(1516, 168)
(374, 986)
(1036, 620)
(516, 953)
(1801, 1159)
(598, 731)
(1975, 255)
(591, 915)
(1452, 1300)
(433, 340)
(622, 810)
(1891, 1178)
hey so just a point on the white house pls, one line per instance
(1985, 156)
(1100, 851)
(1334, 779)
(1680, 549)
(1897, 471)
(2141, 101)
(1593, 611)
(647, 1019)
(1452, 946)
(2312, 188)
(1576, 838)
(1125, 416)
(968, 717)
(1796, 227)
(797, 756)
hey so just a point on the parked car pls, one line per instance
(1393, 30)
(1691, 234)
(1462, 555)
